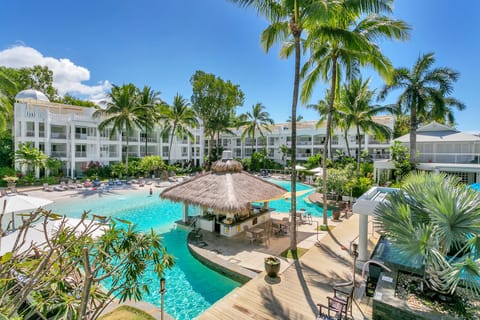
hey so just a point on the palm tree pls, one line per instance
(32, 157)
(357, 109)
(8, 88)
(123, 112)
(177, 120)
(436, 219)
(287, 23)
(256, 120)
(344, 43)
(149, 98)
(337, 121)
(423, 87)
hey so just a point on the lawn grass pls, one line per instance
(325, 228)
(127, 313)
(289, 254)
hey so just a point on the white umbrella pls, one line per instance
(317, 170)
(17, 202)
(299, 168)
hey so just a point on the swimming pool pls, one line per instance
(191, 286)
(283, 205)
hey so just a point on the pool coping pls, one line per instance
(228, 269)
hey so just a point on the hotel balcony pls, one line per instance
(58, 154)
(463, 158)
(80, 154)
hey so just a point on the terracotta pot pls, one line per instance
(272, 267)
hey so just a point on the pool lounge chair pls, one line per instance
(46, 187)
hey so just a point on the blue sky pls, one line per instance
(91, 44)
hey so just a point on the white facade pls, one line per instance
(443, 149)
(310, 140)
(71, 134)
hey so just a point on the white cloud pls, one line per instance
(67, 77)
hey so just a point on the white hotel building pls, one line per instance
(71, 134)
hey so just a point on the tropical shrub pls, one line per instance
(437, 220)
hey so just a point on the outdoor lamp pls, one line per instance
(355, 255)
(162, 292)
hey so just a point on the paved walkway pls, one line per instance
(306, 282)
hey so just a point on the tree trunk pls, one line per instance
(413, 132)
(296, 84)
(346, 142)
(359, 148)
(126, 159)
(146, 141)
(171, 141)
(329, 124)
(87, 284)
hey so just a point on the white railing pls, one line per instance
(465, 158)
(58, 135)
(58, 154)
(80, 154)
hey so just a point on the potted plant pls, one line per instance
(272, 266)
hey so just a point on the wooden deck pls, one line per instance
(295, 294)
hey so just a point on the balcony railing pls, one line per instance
(30, 133)
(41, 134)
(80, 154)
(465, 158)
(58, 135)
(81, 136)
(58, 154)
(113, 154)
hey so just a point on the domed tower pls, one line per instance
(31, 94)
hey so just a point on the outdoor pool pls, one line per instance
(283, 205)
(191, 286)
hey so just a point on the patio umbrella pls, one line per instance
(17, 202)
(317, 170)
(300, 168)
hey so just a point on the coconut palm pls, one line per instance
(436, 219)
(288, 20)
(123, 112)
(177, 120)
(149, 98)
(344, 43)
(256, 120)
(423, 88)
(357, 109)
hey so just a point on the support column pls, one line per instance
(363, 237)
(185, 213)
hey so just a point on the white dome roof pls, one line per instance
(31, 94)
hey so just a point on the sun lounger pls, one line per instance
(46, 187)
(59, 188)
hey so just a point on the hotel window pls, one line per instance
(41, 130)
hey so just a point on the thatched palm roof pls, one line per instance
(225, 189)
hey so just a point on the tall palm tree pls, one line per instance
(288, 20)
(436, 219)
(256, 120)
(357, 109)
(337, 121)
(123, 112)
(344, 43)
(423, 87)
(177, 120)
(149, 98)
(30, 156)
(8, 89)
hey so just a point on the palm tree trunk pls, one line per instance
(346, 142)
(296, 84)
(359, 148)
(126, 159)
(146, 141)
(171, 141)
(325, 146)
(413, 132)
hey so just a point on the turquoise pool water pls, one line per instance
(191, 287)
(282, 205)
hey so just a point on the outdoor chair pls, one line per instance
(344, 294)
(249, 236)
(276, 229)
(336, 309)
